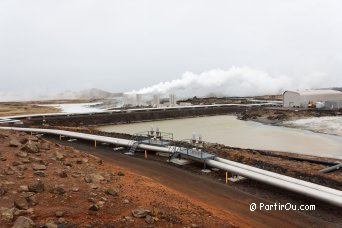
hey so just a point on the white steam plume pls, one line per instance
(237, 81)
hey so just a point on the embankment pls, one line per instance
(132, 116)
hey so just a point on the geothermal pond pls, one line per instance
(76, 107)
(230, 131)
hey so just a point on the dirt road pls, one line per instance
(207, 191)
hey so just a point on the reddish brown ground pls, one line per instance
(168, 207)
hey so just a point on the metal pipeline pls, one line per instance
(304, 190)
(323, 193)
(281, 177)
(331, 169)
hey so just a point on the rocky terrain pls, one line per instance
(274, 115)
(44, 184)
(229, 100)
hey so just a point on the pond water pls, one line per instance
(76, 107)
(230, 131)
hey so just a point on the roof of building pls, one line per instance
(317, 92)
(320, 92)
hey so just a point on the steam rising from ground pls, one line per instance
(237, 81)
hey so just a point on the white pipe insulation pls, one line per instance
(291, 186)
(323, 193)
(279, 176)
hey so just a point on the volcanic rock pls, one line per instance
(112, 192)
(140, 212)
(23, 222)
(31, 147)
(93, 207)
(38, 167)
(21, 154)
(7, 214)
(58, 190)
(36, 186)
(21, 203)
(14, 143)
(40, 173)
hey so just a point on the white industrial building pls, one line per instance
(138, 100)
(327, 99)
(156, 101)
(172, 100)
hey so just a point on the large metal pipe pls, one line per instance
(311, 192)
(331, 169)
(328, 195)
(281, 177)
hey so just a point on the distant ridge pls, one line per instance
(337, 88)
(93, 93)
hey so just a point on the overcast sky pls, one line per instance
(52, 46)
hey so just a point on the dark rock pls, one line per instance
(32, 200)
(21, 203)
(62, 173)
(40, 173)
(21, 154)
(94, 186)
(23, 140)
(92, 200)
(112, 192)
(25, 160)
(31, 147)
(93, 207)
(100, 161)
(68, 163)
(16, 163)
(22, 167)
(3, 190)
(79, 161)
(140, 212)
(38, 160)
(32, 138)
(76, 174)
(58, 190)
(45, 146)
(36, 186)
(87, 179)
(149, 219)
(23, 222)
(121, 174)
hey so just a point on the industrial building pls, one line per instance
(156, 101)
(327, 99)
(138, 100)
(172, 100)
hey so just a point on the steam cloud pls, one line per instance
(237, 81)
